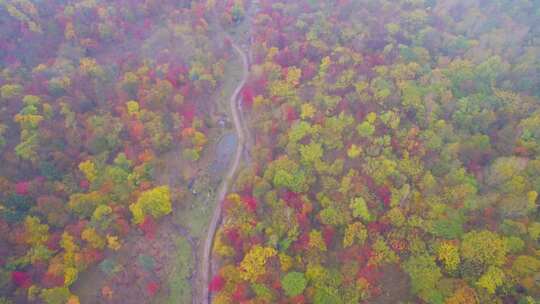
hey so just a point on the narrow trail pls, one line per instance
(241, 132)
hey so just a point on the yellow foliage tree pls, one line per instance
(73, 299)
(220, 248)
(285, 262)
(70, 276)
(448, 254)
(36, 233)
(70, 248)
(113, 242)
(93, 238)
(254, 263)
(354, 151)
(156, 202)
(493, 278)
(316, 241)
(307, 110)
(132, 107)
(354, 233)
(89, 169)
(293, 76)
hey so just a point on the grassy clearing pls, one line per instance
(196, 216)
(180, 272)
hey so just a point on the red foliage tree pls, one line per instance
(173, 75)
(148, 226)
(328, 234)
(216, 284)
(301, 243)
(370, 273)
(122, 226)
(233, 236)
(21, 279)
(53, 242)
(152, 288)
(188, 112)
(299, 299)
(289, 113)
(247, 96)
(377, 227)
(240, 293)
(76, 229)
(50, 280)
(90, 255)
(130, 152)
(303, 220)
(136, 130)
(384, 194)
(250, 202)
(84, 184)
(22, 188)
(293, 200)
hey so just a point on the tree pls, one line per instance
(84, 204)
(36, 233)
(89, 169)
(534, 230)
(58, 295)
(132, 107)
(530, 134)
(90, 235)
(102, 215)
(365, 129)
(333, 216)
(360, 209)
(70, 275)
(300, 130)
(424, 274)
(448, 254)
(354, 233)
(9, 91)
(493, 278)
(254, 263)
(216, 284)
(354, 151)
(29, 120)
(525, 265)
(293, 283)
(484, 248)
(463, 295)
(156, 202)
(316, 241)
(307, 111)
(113, 243)
(311, 153)
(286, 173)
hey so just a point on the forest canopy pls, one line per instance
(388, 151)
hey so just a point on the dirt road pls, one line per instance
(234, 104)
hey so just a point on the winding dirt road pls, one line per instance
(234, 104)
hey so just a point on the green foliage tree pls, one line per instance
(424, 274)
(8, 91)
(360, 209)
(57, 295)
(293, 283)
(484, 248)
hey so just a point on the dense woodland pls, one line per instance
(395, 154)
(92, 94)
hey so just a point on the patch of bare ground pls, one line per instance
(395, 287)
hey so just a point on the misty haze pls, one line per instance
(269, 151)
